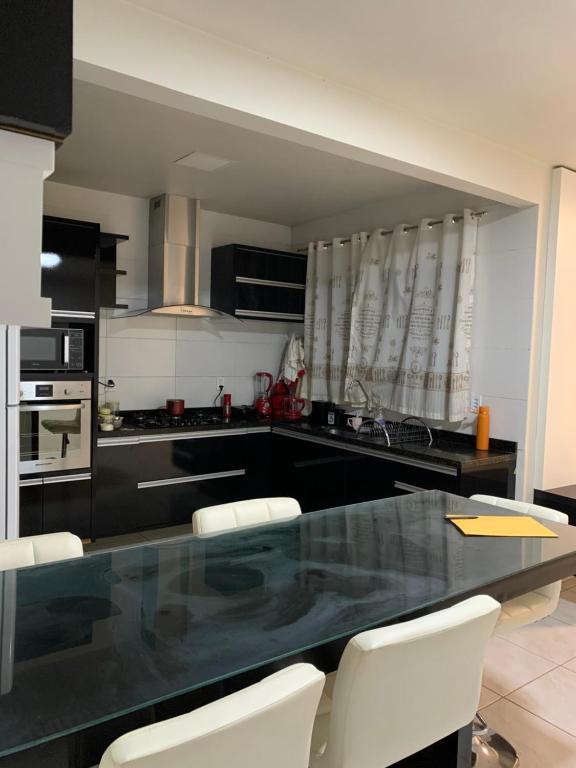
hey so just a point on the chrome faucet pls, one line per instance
(369, 401)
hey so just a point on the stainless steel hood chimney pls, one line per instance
(174, 258)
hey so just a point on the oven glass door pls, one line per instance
(42, 349)
(54, 436)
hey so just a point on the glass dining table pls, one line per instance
(89, 641)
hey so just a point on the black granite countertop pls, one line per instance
(448, 448)
(242, 424)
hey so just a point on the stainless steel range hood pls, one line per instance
(174, 260)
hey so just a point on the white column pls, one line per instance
(25, 162)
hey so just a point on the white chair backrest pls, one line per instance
(268, 724)
(523, 508)
(403, 687)
(36, 550)
(225, 517)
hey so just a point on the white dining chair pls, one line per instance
(490, 747)
(401, 688)
(37, 550)
(540, 602)
(267, 724)
(238, 514)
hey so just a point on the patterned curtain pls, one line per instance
(411, 318)
(331, 277)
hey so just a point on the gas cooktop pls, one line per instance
(160, 419)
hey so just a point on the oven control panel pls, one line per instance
(55, 390)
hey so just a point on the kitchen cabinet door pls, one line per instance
(165, 459)
(116, 499)
(31, 504)
(69, 251)
(68, 506)
(314, 474)
(174, 504)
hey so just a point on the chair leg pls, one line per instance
(489, 749)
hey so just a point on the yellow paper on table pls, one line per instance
(503, 525)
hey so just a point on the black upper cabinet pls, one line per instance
(258, 283)
(69, 259)
(36, 67)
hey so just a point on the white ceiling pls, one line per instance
(128, 145)
(505, 69)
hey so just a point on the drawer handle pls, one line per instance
(190, 479)
(270, 283)
(408, 487)
(271, 315)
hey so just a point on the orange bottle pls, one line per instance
(483, 428)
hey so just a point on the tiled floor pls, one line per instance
(131, 539)
(529, 691)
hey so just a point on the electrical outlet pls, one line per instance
(475, 403)
(220, 382)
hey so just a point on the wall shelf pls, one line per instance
(108, 271)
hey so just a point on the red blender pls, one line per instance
(262, 385)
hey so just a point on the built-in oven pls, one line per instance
(51, 349)
(55, 425)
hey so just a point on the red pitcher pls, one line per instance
(292, 408)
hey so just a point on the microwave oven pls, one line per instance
(51, 349)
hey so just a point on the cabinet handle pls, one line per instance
(408, 487)
(67, 478)
(272, 315)
(191, 479)
(54, 407)
(270, 283)
(30, 483)
(75, 315)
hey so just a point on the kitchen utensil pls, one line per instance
(262, 387)
(226, 407)
(292, 408)
(280, 390)
(355, 422)
(175, 407)
(320, 410)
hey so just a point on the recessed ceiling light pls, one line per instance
(203, 162)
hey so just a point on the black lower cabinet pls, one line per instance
(116, 500)
(160, 483)
(68, 506)
(174, 504)
(31, 507)
(54, 504)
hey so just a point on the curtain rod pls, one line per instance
(408, 228)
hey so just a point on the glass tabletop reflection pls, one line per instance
(87, 640)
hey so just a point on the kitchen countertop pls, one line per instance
(448, 448)
(236, 424)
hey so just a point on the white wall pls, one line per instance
(152, 358)
(504, 297)
(555, 438)
(502, 324)
(24, 164)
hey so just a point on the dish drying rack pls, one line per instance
(409, 430)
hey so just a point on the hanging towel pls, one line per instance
(292, 367)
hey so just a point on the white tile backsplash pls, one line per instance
(142, 327)
(500, 372)
(140, 357)
(251, 358)
(201, 358)
(153, 358)
(141, 392)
